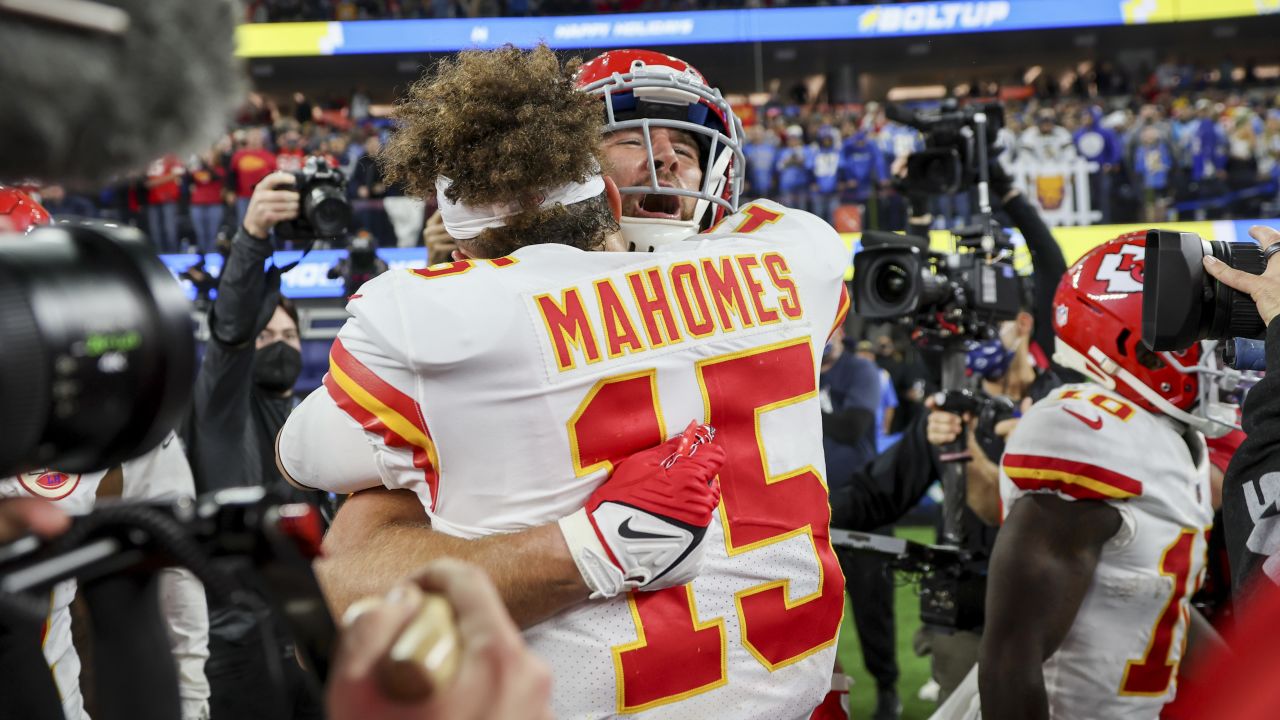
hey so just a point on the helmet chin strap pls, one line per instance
(1102, 369)
(648, 234)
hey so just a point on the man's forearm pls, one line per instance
(982, 488)
(1011, 688)
(532, 569)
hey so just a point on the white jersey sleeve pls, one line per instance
(1074, 446)
(364, 427)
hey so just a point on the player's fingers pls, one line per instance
(1229, 276)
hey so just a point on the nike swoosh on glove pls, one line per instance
(644, 526)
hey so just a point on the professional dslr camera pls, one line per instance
(956, 141)
(325, 212)
(1182, 304)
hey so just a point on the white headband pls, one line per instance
(466, 221)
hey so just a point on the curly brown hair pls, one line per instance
(502, 124)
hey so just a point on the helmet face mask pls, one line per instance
(642, 91)
(1098, 321)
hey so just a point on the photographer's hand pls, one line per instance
(19, 516)
(1264, 288)
(271, 204)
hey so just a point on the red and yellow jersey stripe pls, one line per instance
(842, 310)
(383, 410)
(1076, 479)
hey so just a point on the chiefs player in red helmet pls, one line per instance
(19, 212)
(673, 145)
(1105, 496)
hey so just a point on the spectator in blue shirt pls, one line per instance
(888, 400)
(825, 165)
(761, 152)
(862, 165)
(793, 169)
(1100, 145)
(1152, 163)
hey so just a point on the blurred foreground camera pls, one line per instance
(96, 348)
(325, 211)
(1182, 304)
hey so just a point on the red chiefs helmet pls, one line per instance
(645, 89)
(1097, 315)
(19, 212)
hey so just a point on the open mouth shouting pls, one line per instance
(653, 205)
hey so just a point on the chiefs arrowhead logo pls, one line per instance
(49, 484)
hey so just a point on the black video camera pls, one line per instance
(1182, 304)
(324, 211)
(946, 296)
(952, 159)
(953, 582)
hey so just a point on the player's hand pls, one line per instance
(644, 526)
(269, 205)
(440, 244)
(1264, 288)
(19, 516)
(497, 677)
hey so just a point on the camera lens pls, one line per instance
(96, 349)
(892, 284)
(1182, 304)
(1235, 313)
(328, 211)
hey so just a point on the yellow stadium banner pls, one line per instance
(286, 39)
(1192, 10)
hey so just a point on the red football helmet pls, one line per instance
(1097, 315)
(19, 212)
(646, 89)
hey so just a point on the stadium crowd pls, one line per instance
(1178, 144)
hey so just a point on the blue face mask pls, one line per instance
(988, 359)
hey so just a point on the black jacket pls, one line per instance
(888, 487)
(1251, 488)
(234, 424)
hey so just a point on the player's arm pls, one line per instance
(381, 536)
(1043, 563)
(642, 528)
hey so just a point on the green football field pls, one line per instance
(914, 670)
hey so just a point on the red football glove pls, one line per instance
(644, 526)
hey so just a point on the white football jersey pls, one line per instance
(502, 392)
(161, 474)
(1120, 657)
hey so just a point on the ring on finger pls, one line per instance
(1266, 254)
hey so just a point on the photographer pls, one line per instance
(243, 393)
(359, 266)
(1250, 492)
(1007, 370)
